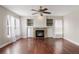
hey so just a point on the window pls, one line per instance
(10, 26)
(8, 30)
(17, 26)
(58, 27)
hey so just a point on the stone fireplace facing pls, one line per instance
(40, 32)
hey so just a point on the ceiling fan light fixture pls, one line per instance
(41, 11)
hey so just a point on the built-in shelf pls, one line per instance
(49, 22)
(29, 22)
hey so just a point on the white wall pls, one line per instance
(71, 27)
(38, 22)
(3, 37)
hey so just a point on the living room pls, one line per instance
(39, 29)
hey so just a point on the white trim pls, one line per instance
(17, 38)
(24, 37)
(76, 43)
(5, 44)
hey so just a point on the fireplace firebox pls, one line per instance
(39, 33)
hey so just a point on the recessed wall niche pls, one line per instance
(49, 22)
(29, 22)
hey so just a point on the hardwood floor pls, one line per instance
(40, 46)
(70, 48)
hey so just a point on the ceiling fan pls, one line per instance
(41, 11)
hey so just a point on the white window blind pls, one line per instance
(58, 27)
(17, 26)
(10, 26)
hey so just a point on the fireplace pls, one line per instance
(39, 33)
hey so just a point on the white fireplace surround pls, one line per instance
(38, 28)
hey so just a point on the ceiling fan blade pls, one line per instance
(45, 9)
(34, 13)
(34, 10)
(41, 10)
(47, 12)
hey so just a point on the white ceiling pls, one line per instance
(57, 10)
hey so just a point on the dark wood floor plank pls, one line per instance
(40, 46)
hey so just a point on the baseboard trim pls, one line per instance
(35, 37)
(5, 44)
(41, 37)
(72, 41)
